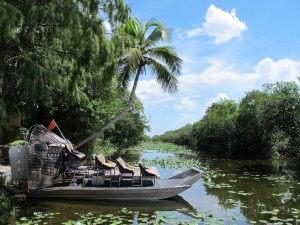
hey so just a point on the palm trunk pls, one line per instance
(118, 116)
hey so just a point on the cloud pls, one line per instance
(218, 73)
(218, 98)
(217, 81)
(218, 76)
(195, 32)
(220, 25)
(281, 70)
(186, 104)
(150, 92)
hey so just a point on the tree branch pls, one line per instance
(118, 116)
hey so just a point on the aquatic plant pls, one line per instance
(5, 207)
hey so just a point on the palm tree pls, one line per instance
(143, 53)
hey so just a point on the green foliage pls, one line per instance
(49, 51)
(2, 110)
(10, 19)
(182, 136)
(282, 116)
(5, 206)
(81, 121)
(18, 142)
(53, 59)
(252, 138)
(264, 124)
(162, 146)
(214, 133)
(143, 53)
(105, 147)
(128, 131)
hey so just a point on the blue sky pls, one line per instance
(228, 48)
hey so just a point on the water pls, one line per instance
(232, 192)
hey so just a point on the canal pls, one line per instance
(231, 192)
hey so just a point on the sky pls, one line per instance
(228, 47)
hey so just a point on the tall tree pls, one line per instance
(143, 52)
(252, 138)
(215, 132)
(49, 49)
(281, 117)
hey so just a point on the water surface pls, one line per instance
(231, 192)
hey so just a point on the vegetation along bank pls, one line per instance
(263, 124)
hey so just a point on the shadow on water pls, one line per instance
(129, 212)
(70, 207)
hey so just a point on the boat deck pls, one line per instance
(159, 184)
(87, 177)
(122, 189)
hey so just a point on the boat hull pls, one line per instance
(163, 189)
(98, 193)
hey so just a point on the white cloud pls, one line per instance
(218, 76)
(150, 92)
(194, 32)
(220, 25)
(218, 73)
(218, 98)
(281, 70)
(218, 81)
(186, 104)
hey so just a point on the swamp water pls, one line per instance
(231, 192)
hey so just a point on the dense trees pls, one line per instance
(216, 129)
(264, 124)
(252, 137)
(49, 50)
(54, 57)
(181, 136)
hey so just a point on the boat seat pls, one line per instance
(123, 168)
(73, 152)
(75, 159)
(148, 174)
(102, 163)
(126, 171)
(70, 161)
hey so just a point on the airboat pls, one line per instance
(49, 167)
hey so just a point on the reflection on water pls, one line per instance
(70, 206)
(231, 192)
(134, 209)
(260, 190)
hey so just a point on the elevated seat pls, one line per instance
(148, 174)
(73, 152)
(126, 171)
(103, 164)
